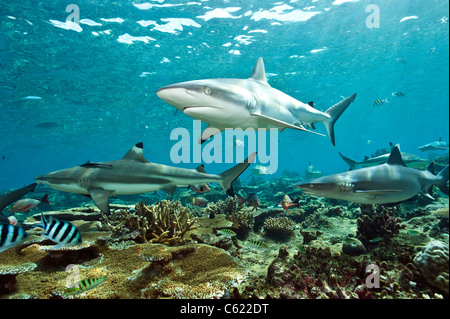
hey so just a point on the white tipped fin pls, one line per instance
(136, 154)
(259, 72)
(266, 121)
(209, 132)
(100, 198)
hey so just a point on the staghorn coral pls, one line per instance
(166, 222)
(432, 262)
(280, 228)
(377, 221)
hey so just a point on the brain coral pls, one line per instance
(432, 262)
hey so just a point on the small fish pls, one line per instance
(400, 60)
(240, 143)
(226, 232)
(203, 189)
(287, 202)
(11, 236)
(199, 201)
(27, 204)
(84, 285)
(260, 244)
(380, 102)
(261, 170)
(376, 239)
(62, 232)
(251, 200)
(398, 94)
(413, 232)
(311, 172)
(47, 125)
(12, 220)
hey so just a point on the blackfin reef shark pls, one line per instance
(247, 103)
(133, 174)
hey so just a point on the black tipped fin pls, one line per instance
(310, 103)
(136, 153)
(201, 169)
(100, 198)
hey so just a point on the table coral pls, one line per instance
(433, 263)
(189, 271)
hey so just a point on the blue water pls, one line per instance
(92, 86)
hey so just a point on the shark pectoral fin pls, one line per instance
(100, 198)
(377, 191)
(208, 132)
(427, 193)
(265, 121)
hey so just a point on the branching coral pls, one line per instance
(280, 228)
(228, 206)
(242, 223)
(377, 222)
(166, 222)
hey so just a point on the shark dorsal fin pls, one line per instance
(259, 73)
(311, 103)
(136, 154)
(430, 168)
(396, 157)
(201, 169)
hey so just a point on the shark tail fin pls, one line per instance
(230, 175)
(349, 161)
(335, 112)
(444, 180)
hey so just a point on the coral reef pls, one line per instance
(242, 223)
(432, 262)
(377, 222)
(227, 206)
(166, 222)
(279, 228)
(8, 275)
(190, 271)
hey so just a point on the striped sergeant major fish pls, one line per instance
(84, 285)
(62, 232)
(11, 236)
(380, 102)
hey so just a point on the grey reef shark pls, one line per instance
(439, 145)
(133, 174)
(390, 182)
(247, 103)
(410, 160)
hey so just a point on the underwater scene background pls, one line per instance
(77, 92)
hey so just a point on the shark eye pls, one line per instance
(207, 90)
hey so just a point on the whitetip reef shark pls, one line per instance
(391, 182)
(133, 174)
(247, 103)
